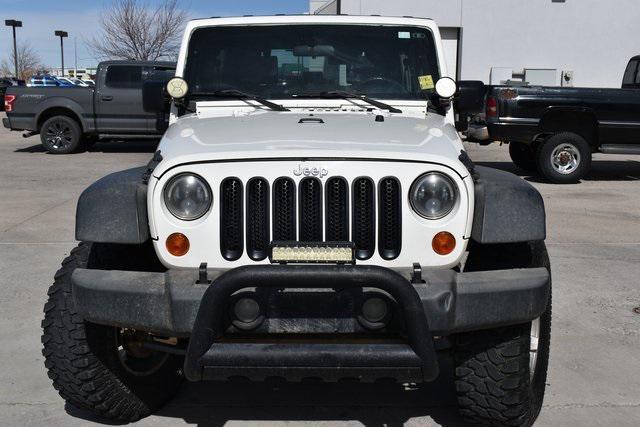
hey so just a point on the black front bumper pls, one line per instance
(175, 304)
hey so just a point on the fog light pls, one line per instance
(374, 310)
(246, 310)
(443, 243)
(177, 244)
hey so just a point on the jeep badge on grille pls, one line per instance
(320, 172)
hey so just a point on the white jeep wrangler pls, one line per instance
(310, 212)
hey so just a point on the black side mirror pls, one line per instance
(471, 97)
(154, 97)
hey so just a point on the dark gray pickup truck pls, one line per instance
(69, 119)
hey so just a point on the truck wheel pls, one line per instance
(523, 156)
(501, 373)
(101, 368)
(564, 158)
(61, 135)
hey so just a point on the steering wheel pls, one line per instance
(380, 84)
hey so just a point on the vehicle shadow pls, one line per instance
(38, 148)
(116, 146)
(601, 170)
(126, 146)
(372, 405)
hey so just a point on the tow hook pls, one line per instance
(416, 274)
(29, 134)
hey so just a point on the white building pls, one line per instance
(583, 43)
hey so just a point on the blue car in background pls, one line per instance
(48, 81)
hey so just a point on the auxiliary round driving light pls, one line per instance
(374, 312)
(246, 314)
(443, 243)
(246, 310)
(177, 244)
(446, 87)
(374, 309)
(177, 88)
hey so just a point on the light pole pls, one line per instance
(13, 23)
(62, 35)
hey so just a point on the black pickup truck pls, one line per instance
(71, 118)
(555, 130)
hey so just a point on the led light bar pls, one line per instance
(304, 252)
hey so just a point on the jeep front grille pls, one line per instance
(258, 219)
(390, 227)
(284, 209)
(281, 211)
(310, 210)
(364, 218)
(337, 207)
(231, 243)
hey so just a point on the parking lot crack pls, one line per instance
(24, 403)
(593, 405)
(36, 215)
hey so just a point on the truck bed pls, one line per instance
(31, 101)
(601, 115)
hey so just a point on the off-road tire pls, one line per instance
(523, 156)
(82, 360)
(544, 153)
(68, 128)
(492, 374)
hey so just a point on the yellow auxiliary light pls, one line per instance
(328, 253)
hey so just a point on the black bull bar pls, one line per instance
(210, 358)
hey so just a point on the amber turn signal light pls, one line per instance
(443, 243)
(177, 244)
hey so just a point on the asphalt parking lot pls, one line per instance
(593, 239)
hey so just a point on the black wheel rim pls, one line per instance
(59, 135)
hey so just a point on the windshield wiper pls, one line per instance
(237, 94)
(348, 95)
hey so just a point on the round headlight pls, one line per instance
(187, 196)
(433, 195)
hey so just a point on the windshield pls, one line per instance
(282, 61)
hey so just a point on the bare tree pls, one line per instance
(131, 29)
(28, 62)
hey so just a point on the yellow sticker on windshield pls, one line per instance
(426, 82)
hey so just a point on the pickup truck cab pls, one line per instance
(310, 213)
(555, 130)
(71, 118)
(631, 78)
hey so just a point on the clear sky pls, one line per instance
(40, 18)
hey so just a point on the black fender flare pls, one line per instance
(507, 208)
(114, 209)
